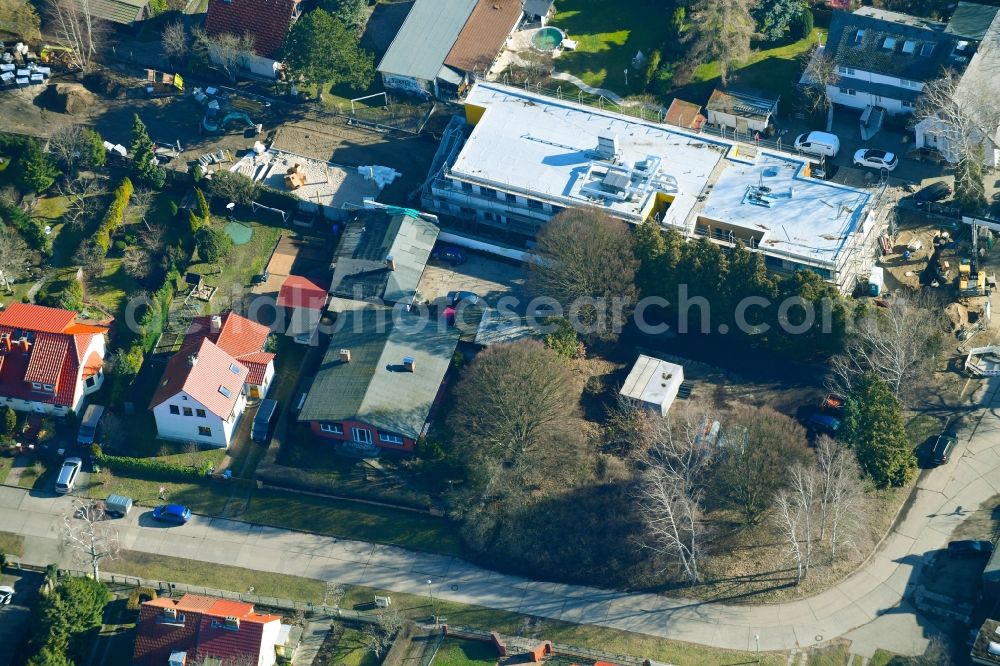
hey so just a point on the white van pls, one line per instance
(818, 143)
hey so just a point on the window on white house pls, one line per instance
(849, 91)
(909, 46)
(466, 187)
(91, 380)
(204, 431)
(390, 439)
(48, 387)
(926, 50)
(174, 409)
(849, 71)
(188, 411)
(200, 413)
(858, 36)
(907, 105)
(889, 43)
(36, 386)
(362, 435)
(332, 428)
(225, 391)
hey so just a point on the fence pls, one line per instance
(522, 644)
(393, 116)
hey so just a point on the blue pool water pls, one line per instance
(547, 39)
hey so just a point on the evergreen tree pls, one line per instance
(37, 171)
(147, 171)
(203, 211)
(326, 52)
(874, 427)
(9, 422)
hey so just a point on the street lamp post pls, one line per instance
(756, 639)
(626, 77)
(433, 606)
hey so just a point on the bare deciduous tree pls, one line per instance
(802, 488)
(136, 262)
(722, 31)
(89, 536)
(962, 114)
(788, 519)
(587, 263)
(82, 196)
(14, 257)
(77, 26)
(841, 495)
(379, 636)
(229, 51)
(174, 41)
(141, 201)
(820, 73)
(897, 343)
(672, 488)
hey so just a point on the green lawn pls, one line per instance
(353, 520)
(454, 652)
(217, 576)
(205, 498)
(237, 269)
(11, 544)
(608, 35)
(6, 463)
(351, 650)
(774, 69)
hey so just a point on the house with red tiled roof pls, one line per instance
(49, 363)
(203, 629)
(267, 21)
(205, 387)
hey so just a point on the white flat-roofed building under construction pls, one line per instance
(518, 158)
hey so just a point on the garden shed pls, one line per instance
(741, 111)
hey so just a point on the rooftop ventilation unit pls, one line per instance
(607, 146)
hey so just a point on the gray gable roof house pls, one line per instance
(364, 376)
(415, 59)
(382, 255)
(880, 41)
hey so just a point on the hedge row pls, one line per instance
(151, 470)
(115, 215)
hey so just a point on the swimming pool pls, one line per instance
(547, 39)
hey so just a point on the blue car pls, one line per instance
(449, 254)
(172, 513)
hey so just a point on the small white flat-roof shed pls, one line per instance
(653, 383)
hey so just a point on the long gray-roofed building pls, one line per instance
(415, 59)
(518, 158)
(381, 256)
(442, 42)
(379, 379)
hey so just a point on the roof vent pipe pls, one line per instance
(193, 360)
(216, 323)
(409, 364)
(390, 263)
(345, 355)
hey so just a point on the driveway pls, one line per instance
(868, 606)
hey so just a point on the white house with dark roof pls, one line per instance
(884, 58)
(978, 89)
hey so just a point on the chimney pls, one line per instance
(7, 344)
(345, 355)
(193, 360)
(409, 364)
(390, 263)
(216, 323)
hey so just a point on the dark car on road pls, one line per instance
(943, 446)
(172, 513)
(970, 548)
(261, 428)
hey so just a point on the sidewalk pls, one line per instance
(870, 602)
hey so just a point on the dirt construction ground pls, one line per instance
(176, 118)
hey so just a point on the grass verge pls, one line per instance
(11, 544)
(217, 576)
